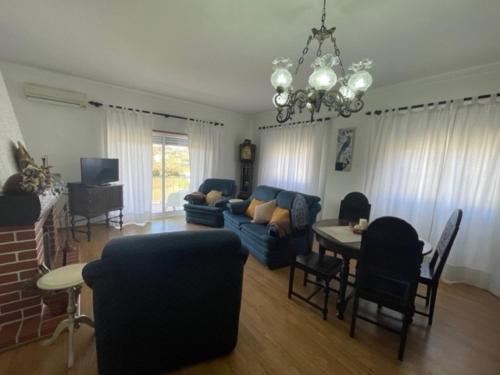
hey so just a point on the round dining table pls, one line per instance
(348, 251)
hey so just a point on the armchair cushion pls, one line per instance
(195, 198)
(213, 196)
(227, 187)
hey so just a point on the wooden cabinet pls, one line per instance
(91, 202)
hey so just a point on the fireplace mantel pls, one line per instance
(25, 242)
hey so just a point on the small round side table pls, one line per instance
(69, 278)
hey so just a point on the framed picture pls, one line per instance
(345, 143)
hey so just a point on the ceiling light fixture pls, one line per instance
(344, 98)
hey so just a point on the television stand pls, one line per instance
(93, 201)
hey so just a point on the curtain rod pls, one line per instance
(379, 111)
(166, 115)
(292, 123)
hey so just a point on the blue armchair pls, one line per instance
(211, 215)
(265, 244)
(166, 300)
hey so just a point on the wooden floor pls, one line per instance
(282, 336)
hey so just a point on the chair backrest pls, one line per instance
(299, 214)
(354, 206)
(445, 243)
(390, 259)
(228, 187)
(300, 225)
(177, 294)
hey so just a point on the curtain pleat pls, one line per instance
(129, 138)
(295, 157)
(423, 165)
(205, 155)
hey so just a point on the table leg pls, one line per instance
(344, 278)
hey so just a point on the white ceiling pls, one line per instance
(219, 52)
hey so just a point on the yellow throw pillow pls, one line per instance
(251, 207)
(281, 219)
(213, 197)
(263, 212)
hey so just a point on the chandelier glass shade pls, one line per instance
(338, 91)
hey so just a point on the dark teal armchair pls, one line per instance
(205, 214)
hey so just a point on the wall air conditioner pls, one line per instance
(53, 95)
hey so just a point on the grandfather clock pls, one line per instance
(247, 157)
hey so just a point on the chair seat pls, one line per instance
(426, 273)
(324, 266)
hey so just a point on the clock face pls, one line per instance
(246, 152)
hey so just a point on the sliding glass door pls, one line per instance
(170, 172)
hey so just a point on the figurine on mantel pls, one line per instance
(33, 178)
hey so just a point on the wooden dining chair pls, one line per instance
(431, 271)
(354, 206)
(323, 267)
(388, 271)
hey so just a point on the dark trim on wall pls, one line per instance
(380, 111)
(166, 115)
(264, 127)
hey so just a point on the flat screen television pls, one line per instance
(97, 171)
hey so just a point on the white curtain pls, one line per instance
(423, 165)
(205, 154)
(294, 157)
(129, 138)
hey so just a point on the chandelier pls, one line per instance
(344, 98)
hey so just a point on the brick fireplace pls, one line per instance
(27, 314)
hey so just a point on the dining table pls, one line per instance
(336, 235)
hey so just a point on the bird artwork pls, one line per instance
(345, 141)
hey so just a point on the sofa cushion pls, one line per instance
(263, 212)
(259, 232)
(250, 211)
(236, 220)
(280, 221)
(265, 193)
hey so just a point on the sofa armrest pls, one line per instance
(222, 203)
(238, 208)
(273, 231)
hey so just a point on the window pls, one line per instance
(171, 172)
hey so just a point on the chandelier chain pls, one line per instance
(345, 99)
(323, 16)
(337, 53)
(319, 52)
(304, 53)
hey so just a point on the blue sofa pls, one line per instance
(211, 215)
(268, 247)
(166, 300)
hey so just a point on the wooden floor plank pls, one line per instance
(282, 336)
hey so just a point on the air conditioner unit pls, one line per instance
(53, 95)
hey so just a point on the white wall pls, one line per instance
(10, 134)
(65, 134)
(453, 85)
